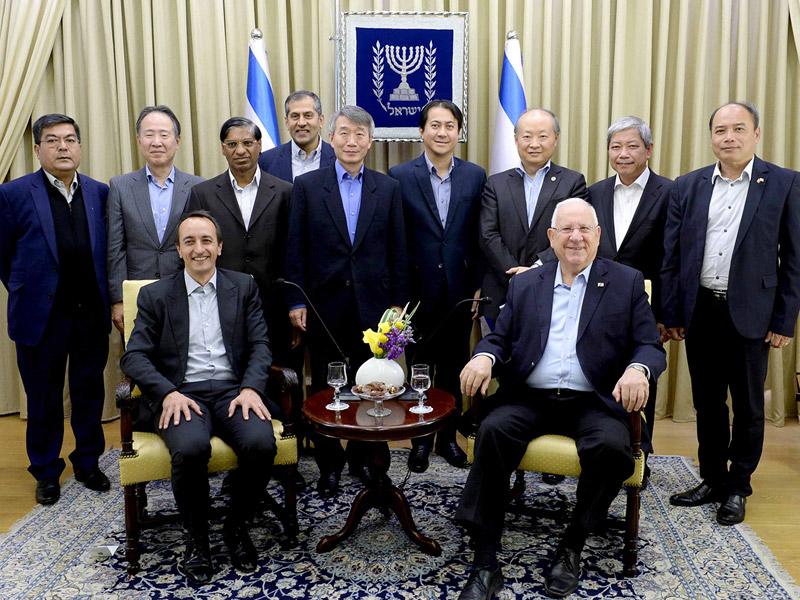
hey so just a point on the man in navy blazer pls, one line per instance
(631, 209)
(441, 203)
(731, 288)
(347, 249)
(517, 205)
(579, 347)
(53, 264)
(306, 151)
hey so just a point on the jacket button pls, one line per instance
(55, 269)
(347, 283)
(158, 275)
(247, 259)
(161, 252)
(440, 265)
(49, 295)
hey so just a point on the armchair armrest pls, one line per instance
(126, 404)
(283, 386)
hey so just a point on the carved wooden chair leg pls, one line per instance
(517, 492)
(290, 489)
(131, 529)
(630, 553)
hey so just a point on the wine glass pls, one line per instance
(420, 381)
(337, 377)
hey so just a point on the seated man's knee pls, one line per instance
(192, 451)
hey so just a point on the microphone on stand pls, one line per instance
(316, 313)
(424, 341)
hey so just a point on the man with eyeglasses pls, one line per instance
(53, 264)
(145, 206)
(578, 347)
(251, 207)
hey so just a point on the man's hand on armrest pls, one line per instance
(476, 375)
(118, 316)
(632, 389)
(174, 405)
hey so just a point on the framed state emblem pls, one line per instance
(394, 63)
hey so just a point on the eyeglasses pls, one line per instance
(583, 229)
(55, 142)
(233, 145)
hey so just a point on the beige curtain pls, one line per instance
(669, 61)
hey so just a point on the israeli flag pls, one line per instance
(260, 99)
(512, 104)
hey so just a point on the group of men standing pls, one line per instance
(352, 242)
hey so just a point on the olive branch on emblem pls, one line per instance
(430, 72)
(377, 71)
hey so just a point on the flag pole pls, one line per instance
(337, 54)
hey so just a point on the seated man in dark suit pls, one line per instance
(199, 350)
(579, 346)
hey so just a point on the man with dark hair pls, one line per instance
(53, 264)
(731, 288)
(199, 351)
(517, 205)
(306, 151)
(441, 197)
(631, 209)
(347, 249)
(251, 207)
(144, 208)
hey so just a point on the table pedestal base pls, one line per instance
(382, 496)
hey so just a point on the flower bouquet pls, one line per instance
(394, 333)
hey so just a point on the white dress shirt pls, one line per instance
(62, 189)
(246, 196)
(302, 162)
(626, 201)
(724, 217)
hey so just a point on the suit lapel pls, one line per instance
(226, 302)
(424, 181)
(264, 195)
(595, 288)
(549, 186)
(645, 207)
(455, 194)
(228, 198)
(754, 194)
(544, 302)
(284, 166)
(516, 191)
(702, 201)
(141, 197)
(178, 314)
(42, 203)
(368, 203)
(333, 201)
(92, 208)
(180, 194)
(607, 206)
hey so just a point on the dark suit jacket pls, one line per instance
(505, 238)
(616, 328)
(29, 255)
(158, 350)
(260, 250)
(134, 251)
(764, 283)
(278, 161)
(321, 259)
(433, 249)
(643, 246)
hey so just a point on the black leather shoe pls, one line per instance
(482, 584)
(552, 478)
(244, 557)
(328, 484)
(565, 570)
(48, 490)
(732, 510)
(419, 458)
(93, 478)
(452, 454)
(698, 495)
(197, 564)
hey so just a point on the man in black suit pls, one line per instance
(517, 205)
(306, 151)
(731, 288)
(347, 249)
(53, 264)
(251, 207)
(441, 197)
(631, 209)
(199, 350)
(575, 376)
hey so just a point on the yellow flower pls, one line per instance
(372, 338)
(382, 338)
(378, 351)
(384, 327)
(399, 325)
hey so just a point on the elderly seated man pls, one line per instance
(579, 347)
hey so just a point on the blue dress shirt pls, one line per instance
(350, 191)
(160, 200)
(441, 187)
(533, 186)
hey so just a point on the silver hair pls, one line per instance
(356, 114)
(556, 126)
(625, 123)
(579, 201)
(299, 95)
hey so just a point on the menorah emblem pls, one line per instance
(404, 60)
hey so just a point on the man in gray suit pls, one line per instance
(145, 206)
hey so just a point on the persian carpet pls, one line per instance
(684, 553)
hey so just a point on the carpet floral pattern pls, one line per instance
(683, 552)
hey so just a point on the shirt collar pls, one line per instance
(521, 170)
(748, 169)
(432, 169)
(60, 184)
(341, 172)
(560, 281)
(641, 180)
(296, 150)
(150, 177)
(192, 285)
(256, 178)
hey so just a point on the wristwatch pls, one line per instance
(639, 368)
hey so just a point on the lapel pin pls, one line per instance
(601, 284)
(760, 180)
(553, 178)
